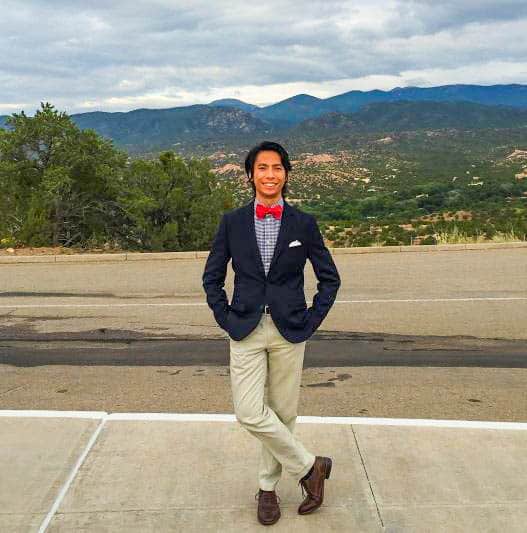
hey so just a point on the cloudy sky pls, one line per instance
(122, 55)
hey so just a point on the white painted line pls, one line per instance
(173, 417)
(226, 417)
(211, 417)
(52, 414)
(200, 304)
(421, 422)
(31, 306)
(417, 300)
(71, 477)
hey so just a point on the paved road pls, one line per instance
(471, 293)
(323, 350)
(423, 334)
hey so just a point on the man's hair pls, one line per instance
(253, 153)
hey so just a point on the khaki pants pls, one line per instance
(264, 355)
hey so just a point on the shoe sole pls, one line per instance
(269, 523)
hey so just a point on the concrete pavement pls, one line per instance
(90, 471)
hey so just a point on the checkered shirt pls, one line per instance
(266, 234)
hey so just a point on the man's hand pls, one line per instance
(215, 273)
(326, 273)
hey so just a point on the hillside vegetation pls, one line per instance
(62, 186)
(390, 173)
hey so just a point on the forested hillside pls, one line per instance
(390, 173)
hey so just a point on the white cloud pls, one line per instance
(121, 55)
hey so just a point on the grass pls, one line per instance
(458, 237)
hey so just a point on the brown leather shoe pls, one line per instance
(268, 509)
(314, 485)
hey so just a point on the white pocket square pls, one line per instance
(294, 243)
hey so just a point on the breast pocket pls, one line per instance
(295, 256)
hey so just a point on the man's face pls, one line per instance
(268, 176)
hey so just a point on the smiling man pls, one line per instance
(268, 321)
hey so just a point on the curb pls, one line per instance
(171, 256)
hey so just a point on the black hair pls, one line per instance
(263, 146)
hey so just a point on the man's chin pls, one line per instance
(270, 195)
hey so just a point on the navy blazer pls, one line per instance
(283, 287)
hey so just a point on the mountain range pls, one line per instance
(303, 106)
(407, 108)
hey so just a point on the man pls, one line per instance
(268, 321)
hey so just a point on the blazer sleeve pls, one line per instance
(215, 273)
(326, 273)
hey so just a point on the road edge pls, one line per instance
(149, 256)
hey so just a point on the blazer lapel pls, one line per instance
(285, 228)
(249, 224)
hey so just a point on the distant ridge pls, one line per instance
(302, 107)
(291, 111)
(406, 116)
(452, 106)
(233, 102)
(514, 95)
(151, 129)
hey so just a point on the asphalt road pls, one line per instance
(416, 334)
(470, 293)
(322, 350)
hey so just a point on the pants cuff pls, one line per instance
(268, 487)
(306, 469)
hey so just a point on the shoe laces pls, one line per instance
(305, 489)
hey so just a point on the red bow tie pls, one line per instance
(262, 210)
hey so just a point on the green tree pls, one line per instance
(57, 182)
(172, 204)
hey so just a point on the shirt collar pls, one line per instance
(280, 202)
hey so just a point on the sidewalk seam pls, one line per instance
(367, 477)
(76, 467)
